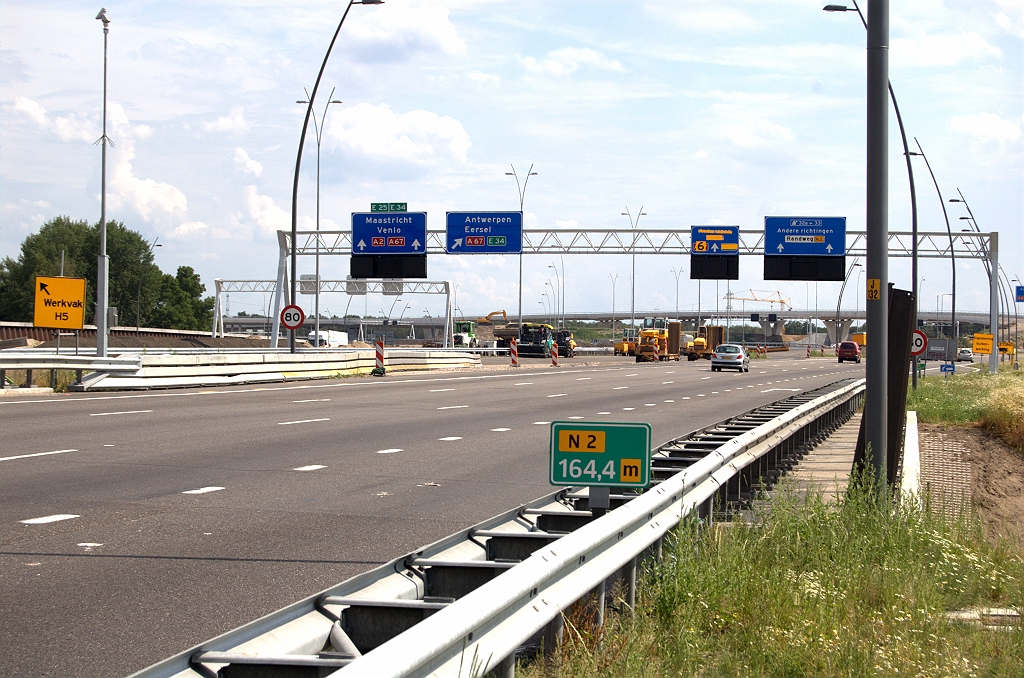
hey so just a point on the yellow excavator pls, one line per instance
(504, 316)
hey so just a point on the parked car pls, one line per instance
(848, 350)
(732, 356)
(965, 354)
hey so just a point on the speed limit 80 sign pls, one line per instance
(292, 317)
(918, 343)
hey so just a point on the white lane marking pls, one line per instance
(671, 372)
(499, 430)
(714, 393)
(630, 375)
(780, 389)
(703, 378)
(650, 404)
(49, 519)
(727, 390)
(669, 401)
(108, 446)
(583, 379)
(313, 400)
(441, 390)
(557, 395)
(628, 409)
(524, 383)
(311, 467)
(454, 407)
(37, 454)
(89, 545)
(686, 397)
(575, 417)
(700, 395)
(203, 490)
(760, 384)
(107, 414)
(668, 382)
(541, 423)
(450, 438)
(604, 412)
(301, 421)
(618, 388)
(390, 450)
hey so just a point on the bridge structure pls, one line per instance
(901, 244)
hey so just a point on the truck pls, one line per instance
(535, 340)
(566, 343)
(328, 339)
(659, 340)
(627, 344)
(860, 338)
(704, 344)
(463, 333)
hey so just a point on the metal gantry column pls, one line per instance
(993, 299)
(877, 222)
(282, 276)
(216, 307)
(448, 328)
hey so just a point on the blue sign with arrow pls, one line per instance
(484, 233)
(389, 233)
(1020, 293)
(805, 236)
(947, 367)
(715, 240)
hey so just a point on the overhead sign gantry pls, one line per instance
(805, 248)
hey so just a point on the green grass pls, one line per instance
(993, 401)
(854, 589)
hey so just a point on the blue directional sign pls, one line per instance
(484, 233)
(389, 233)
(715, 240)
(805, 236)
(948, 367)
(1020, 293)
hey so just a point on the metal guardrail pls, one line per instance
(34, 359)
(464, 605)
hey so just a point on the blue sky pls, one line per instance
(700, 111)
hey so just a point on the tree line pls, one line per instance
(165, 300)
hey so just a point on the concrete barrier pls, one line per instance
(171, 370)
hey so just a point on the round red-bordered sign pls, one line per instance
(292, 317)
(918, 343)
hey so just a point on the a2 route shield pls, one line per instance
(600, 454)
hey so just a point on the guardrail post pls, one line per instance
(78, 376)
(552, 640)
(3, 378)
(506, 668)
(28, 379)
(629, 575)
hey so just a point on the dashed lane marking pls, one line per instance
(649, 404)
(311, 467)
(557, 395)
(524, 383)
(604, 412)
(390, 450)
(442, 390)
(499, 430)
(203, 490)
(583, 379)
(107, 414)
(313, 400)
(301, 421)
(575, 417)
(37, 454)
(669, 401)
(628, 409)
(449, 439)
(453, 407)
(541, 423)
(667, 382)
(618, 388)
(49, 519)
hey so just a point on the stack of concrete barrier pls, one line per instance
(171, 370)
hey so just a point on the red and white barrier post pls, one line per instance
(554, 355)
(808, 350)
(380, 353)
(513, 351)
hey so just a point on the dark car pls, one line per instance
(848, 350)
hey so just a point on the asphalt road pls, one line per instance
(193, 512)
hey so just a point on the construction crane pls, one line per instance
(771, 298)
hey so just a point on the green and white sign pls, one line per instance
(389, 207)
(600, 454)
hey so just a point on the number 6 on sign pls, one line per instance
(292, 317)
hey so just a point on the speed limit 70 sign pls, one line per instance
(918, 343)
(292, 317)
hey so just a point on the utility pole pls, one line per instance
(103, 263)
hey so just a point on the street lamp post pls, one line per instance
(677, 274)
(906, 156)
(102, 263)
(298, 157)
(522, 197)
(559, 296)
(613, 279)
(318, 128)
(855, 264)
(138, 298)
(632, 248)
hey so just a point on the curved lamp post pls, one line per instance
(614, 279)
(138, 298)
(298, 155)
(522, 197)
(855, 264)
(318, 128)
(632, 248)
(910, 175)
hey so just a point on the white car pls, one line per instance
(732, 356)
(965, 354)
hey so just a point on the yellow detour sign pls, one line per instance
(60, 303)
(982, 344)
(1007, 348)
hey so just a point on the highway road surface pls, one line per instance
(136, 525)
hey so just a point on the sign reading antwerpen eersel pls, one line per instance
(484, 233)
(389, 233)
(805, 236)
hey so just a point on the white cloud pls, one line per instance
(265, 212)
(700, 155)
(417, 136)
(234, 122)
(31, 109)
(71, 128)
(485, 78)
(567, 60)
(1011, 19)
(701, 16)
(247, 164)
(191, 229)
(750, 135)
(986, 127)
(569, 224)
(397, 30)
(941, 50)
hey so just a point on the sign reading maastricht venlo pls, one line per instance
(59, 303)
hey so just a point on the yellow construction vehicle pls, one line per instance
(704, 344)
(487, 319)
(627, 344)
(659, 340)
